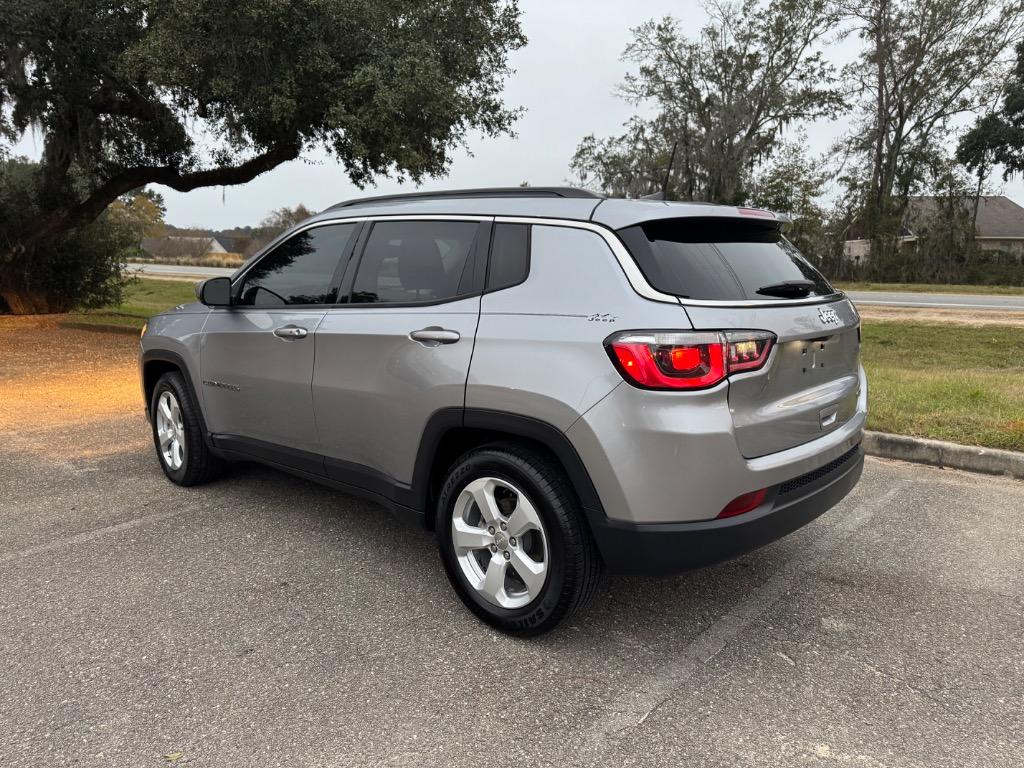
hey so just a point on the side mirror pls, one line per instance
(215, 292)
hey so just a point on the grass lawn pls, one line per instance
(948, 382)
(997, 290)
(142, 299)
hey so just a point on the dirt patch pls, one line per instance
(972, 317)
(68, 397)
(14, 323)
(56, 383)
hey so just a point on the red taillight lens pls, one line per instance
(687, 359)
(747, 351)
(744, 503)
(670, 360)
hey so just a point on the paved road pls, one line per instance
(263, 620)
(938, 300)
(904, 299)
(173, 270)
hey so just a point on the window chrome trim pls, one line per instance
(639, 282)
(633, 274)
(626, 262)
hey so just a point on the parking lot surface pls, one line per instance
(263, 620)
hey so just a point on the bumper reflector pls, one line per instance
(744, 503)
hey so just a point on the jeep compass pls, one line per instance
(556, 383)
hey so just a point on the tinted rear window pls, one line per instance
(719, 259)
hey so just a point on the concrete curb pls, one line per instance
(937, 453)
(102, 327)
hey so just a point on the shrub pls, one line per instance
(79, 268)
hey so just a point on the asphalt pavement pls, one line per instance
(176, 270)
(962, 301)
(263, 620)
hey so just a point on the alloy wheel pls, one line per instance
(500, 542)
(170, 430)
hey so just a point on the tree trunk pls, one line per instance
(874, 224)
(982, 175)
(30, 302)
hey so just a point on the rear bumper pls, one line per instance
(664, 548)
(668, 458)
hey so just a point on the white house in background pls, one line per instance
(1000, 226)
(195, 246)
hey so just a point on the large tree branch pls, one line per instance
(68, 217)
(118, 97)
(130, 104)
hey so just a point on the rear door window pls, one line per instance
(411, 262)
(723, 260)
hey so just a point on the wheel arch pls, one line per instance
(154, 364)
(451, 432)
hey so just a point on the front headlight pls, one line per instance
(144, 327)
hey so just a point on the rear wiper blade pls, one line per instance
(787, 288)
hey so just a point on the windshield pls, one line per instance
(722, 259)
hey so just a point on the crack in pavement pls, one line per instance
(636, 705)
(85, 536)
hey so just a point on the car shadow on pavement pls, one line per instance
(652, 613)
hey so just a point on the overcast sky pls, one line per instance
(565, 78)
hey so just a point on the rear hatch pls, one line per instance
(739, 274)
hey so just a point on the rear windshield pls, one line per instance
(722, 259)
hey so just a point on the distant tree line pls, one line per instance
(732, 98)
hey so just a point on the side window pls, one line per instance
(510, 256)
(300, 270)
(406, 262)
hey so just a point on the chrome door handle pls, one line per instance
(431, 337)
(291, 332)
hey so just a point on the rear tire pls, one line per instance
(514, 541)
(178, 434)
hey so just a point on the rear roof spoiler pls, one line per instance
(616, 213)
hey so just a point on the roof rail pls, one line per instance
(482, 192)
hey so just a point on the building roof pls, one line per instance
(150, 244)
(998, 216)
(175, 245)
(232, 243)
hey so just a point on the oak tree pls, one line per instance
(722, 99)
(194, 93)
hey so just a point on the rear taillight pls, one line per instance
(687, 359)
(757, 213)
(747, 350)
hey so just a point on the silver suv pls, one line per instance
(555, 382)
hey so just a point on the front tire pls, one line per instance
(513, 540)
(178, 434)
